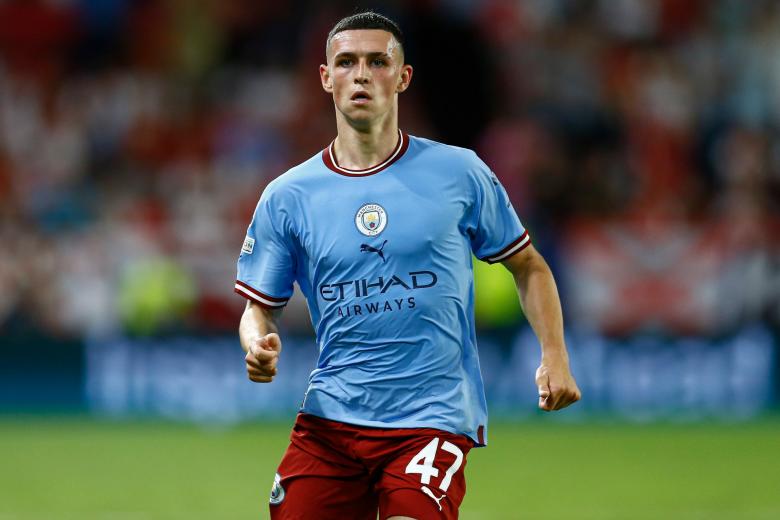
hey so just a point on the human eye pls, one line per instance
(378, 62)
(344, 62)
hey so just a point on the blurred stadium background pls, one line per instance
(639, 140)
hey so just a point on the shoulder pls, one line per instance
(293, 182)
(454, 158)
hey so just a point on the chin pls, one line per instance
(359, 117)
(359, 112)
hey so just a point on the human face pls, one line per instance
(365, 72)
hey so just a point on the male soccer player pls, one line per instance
(378, 230)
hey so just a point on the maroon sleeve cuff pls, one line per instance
(516, 246)
(250, 293)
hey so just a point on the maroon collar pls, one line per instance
(329, 158)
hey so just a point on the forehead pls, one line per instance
(360, 41)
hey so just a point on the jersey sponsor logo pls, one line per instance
(365, 248)
(396, 304)
(380, 285)
(368, 287)
(249, 245)
(371, 219)
(277, 491)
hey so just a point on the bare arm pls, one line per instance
(542, 306)
(258, 333)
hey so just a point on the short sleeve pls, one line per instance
(266, 264)
(496, 232)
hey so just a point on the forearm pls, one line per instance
(256, 322)
(542, 306)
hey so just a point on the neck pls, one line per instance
(359, 148)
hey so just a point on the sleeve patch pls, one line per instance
(249, 245)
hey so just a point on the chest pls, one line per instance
(376, 222)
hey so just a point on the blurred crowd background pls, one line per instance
(638, 139)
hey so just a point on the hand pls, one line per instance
(557, 388)
(262, 358)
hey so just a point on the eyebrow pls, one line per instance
(350, 54)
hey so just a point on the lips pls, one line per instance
(361, 95)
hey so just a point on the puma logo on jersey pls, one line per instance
(365, 248)
(428, 492)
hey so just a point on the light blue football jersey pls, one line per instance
(383, 257)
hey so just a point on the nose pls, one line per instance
(361, 75)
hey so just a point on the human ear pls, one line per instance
(325, 78)
(405, 78)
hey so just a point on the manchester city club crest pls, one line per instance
(277, 491)
(371, 219)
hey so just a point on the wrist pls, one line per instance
(249, 340)
(554, 355)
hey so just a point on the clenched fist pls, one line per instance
(557, 387)
(262, 357)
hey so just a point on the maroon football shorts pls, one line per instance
(337, 471)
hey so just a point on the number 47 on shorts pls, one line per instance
(422, 463)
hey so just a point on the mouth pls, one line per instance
(360, 97)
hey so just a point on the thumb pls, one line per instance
(270, 342)
(544, 392)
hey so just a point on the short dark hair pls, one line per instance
(366, 20)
